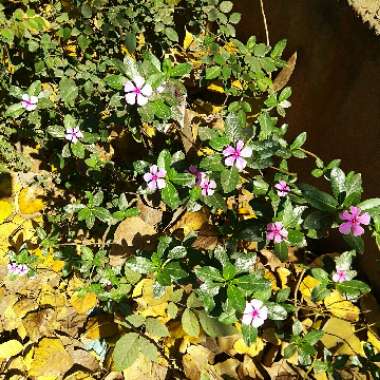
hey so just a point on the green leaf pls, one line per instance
(353, 288)
(181, 70)
(148, 349)
(213, 327)
(281, 251)
(170, 196)
(171, 34)
(102, 214)
(155, 328)
(69, 121)
(164, 160)
(249, 334)
(354, 242)
(353, 188)
(318, 199)
(212, 163)
(161, 109)
(338, 179)
(56, 131)
(371, 205)
(177, 252)
(216, 201)
(298, 141)
(276, 312)
(283, 295)
(208, 273)
(14, 110)
(226, 6)
(78, 150)
(190, 323)
(182, 179)
(140, 264)
(319, 274)
(213, 72)
(115, 81)
(236, 297)
(278, 49)
(312, 337)
(290, 351)
(266, 126)
(126, 351)
(229, 179)
(68, 91)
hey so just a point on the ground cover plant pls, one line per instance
(151, 222)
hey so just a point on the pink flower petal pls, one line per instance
(357, 230)
(142, 100)
(364, 218)
(246, 152)
(161, 183)
(147, 177)
(355, 211)
(130, 98)
(25, 97)
(147, 90)
(247, 319)
(154, 169)
(152, 185)
(161, 173)
(257, 322)
(129, 87)
(139, 81)
(256, 304)
(345, 228)
(345, 215)
(229, 161)
(240, 163)
(229, 151)
(240, 145)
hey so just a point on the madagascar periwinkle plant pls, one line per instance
(133, 109)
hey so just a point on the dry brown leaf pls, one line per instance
(150, 213)
(228, 368)
(207, 238)
(284, 75)
(131, 234)
(145, 369)
(273, 261)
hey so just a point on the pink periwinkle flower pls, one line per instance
(18, 269)
(353, 220)
(73, 134)
(282, 188)
(255, 313)
(276, 232)
(137, 91)
(208, 186)
(236, 156)
(155, 178)
(197, 173)
(29, 102)
(340, 275)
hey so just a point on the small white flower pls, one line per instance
(255, 313)
(137, 91)
(29, 102)
(73, 134)
(285, 104)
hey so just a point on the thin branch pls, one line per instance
(265, 21)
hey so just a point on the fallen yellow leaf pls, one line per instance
(341, 308)
(30, 201)
(339, 335)
(253, 350)
(50, 359)
(10, 348)
(83, 303)
(6, 209)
